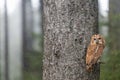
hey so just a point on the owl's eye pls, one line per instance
(99, 38)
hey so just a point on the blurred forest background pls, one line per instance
(21, 39)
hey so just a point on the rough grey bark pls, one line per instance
(68, 26)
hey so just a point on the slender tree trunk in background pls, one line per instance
(27, 16)
(68, 26)
(114, 24)
(27, 11)
(23, 27)
(29, 25)
(6, 43)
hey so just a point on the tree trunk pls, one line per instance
(68, 26)
(6, 42)
(27, 16)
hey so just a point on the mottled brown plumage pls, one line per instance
(94, 51)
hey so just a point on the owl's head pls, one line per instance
(97, 39)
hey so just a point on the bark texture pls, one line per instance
(68, 26)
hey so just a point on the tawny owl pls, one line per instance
(94, 51)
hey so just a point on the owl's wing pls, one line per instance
(89, 55)
(98, 54)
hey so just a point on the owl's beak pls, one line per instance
(97, 41)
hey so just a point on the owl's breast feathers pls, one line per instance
(94, 52)
(98, 53)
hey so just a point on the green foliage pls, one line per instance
(34, 62)
(34, 71)
(111, 69)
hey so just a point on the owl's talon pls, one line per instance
(98, 61)
(102, 62)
